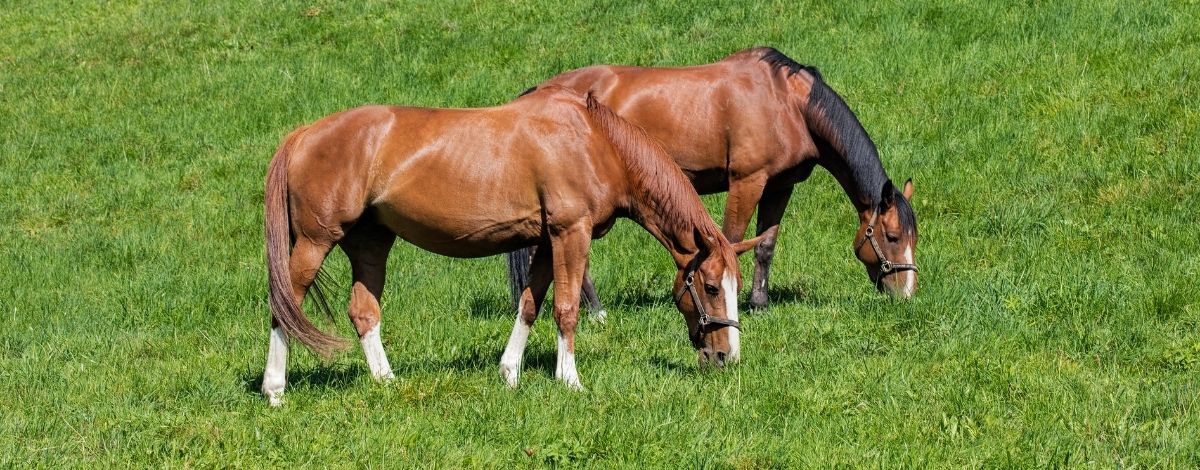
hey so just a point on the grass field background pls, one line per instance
(1053, 145)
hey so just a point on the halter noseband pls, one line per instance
(886, 267)
(707, 324)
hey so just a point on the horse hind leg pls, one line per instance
(367, 246)
(305, 262)
(528, 305)
(588, 291)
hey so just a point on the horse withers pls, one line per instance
(550, 169)
(755, 124)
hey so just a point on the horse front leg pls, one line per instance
(744, 194)
(770, 213)
(570, 264)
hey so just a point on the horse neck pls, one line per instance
(659, 197)
(846, 150)
(860, 181)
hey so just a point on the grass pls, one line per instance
(1053, 145)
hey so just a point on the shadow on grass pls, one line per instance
(334, 377)
(485, 361)
(674, 367)
(779, 295)
(637, 296)
(490, 306)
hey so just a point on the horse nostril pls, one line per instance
(721, 359)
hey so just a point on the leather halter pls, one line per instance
(886, 267)
(708, 324)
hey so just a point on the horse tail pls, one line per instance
(518, 273)
(285, 308)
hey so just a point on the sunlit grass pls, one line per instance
(1053, 146)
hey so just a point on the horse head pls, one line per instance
(886, 242)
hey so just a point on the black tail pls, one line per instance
(518, 273)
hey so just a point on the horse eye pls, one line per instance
(892, 238)
(711, 289)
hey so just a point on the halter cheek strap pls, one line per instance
(886, 267)
(708, 324)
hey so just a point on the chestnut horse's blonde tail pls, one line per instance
(285, 307)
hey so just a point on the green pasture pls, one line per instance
(1054, 148)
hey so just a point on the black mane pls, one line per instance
(836, 128)
(904, 211)
(778, 60)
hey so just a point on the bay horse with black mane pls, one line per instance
(551, 169)
(755, 124)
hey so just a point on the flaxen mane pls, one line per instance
(656, 176)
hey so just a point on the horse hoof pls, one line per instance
(275, 399)
(601, 316)
(511, 375)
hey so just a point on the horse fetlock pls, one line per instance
(273, 392)
(573, 383)
(758, 298)
(511, 373)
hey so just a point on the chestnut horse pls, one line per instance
(755, 124)
(550, 169)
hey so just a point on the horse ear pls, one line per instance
(702, 247)
(745, 245)
(908, 190)
(887, 195)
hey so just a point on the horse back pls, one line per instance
(717, 121)
(459, 182)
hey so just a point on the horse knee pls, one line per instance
(567, 315)
(765, 249)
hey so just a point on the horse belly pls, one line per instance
(451, 229)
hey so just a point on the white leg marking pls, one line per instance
(565, 370)
(510, 362)
(376, 359)
(729, 284)
(910, 277)
(275, 376)
(601, 316)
